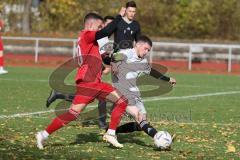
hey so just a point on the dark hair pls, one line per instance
(144, 39)
(92, 16)
(108, 17)
(131, 4)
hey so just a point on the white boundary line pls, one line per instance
(192, 96)
(25, 114)
(24, 80)
(179, 85)
(146, 100)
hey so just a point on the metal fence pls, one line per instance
(199, 48)
(38, 39)
(190, 47)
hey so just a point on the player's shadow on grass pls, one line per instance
(21, 151)
(132, 138)
(161, 150)
(85, 138)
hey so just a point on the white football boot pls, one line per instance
(112, 139)
(41, 137)
(3, 71)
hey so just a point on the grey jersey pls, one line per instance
(130, 68)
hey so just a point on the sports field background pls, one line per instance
(203, 110)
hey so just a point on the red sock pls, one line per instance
(1, 61)
(62, 120)
(118, 111)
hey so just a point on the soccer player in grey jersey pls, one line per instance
(129, 68)
(126, 69)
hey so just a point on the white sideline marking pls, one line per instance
(24, 80)
(46, 80)
(192, 96)
(207, 87)
(146, 100)
(179, 85)
(25, 114)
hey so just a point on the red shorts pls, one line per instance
(88, 91)
(1, 44)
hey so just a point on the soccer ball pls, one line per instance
(163, 140)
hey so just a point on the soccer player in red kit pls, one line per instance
(88, 81)
(2, 70)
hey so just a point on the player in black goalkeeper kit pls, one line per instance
(126, 33)
(128, 29)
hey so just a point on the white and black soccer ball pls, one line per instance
(163, 140)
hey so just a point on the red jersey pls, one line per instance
(90, 69)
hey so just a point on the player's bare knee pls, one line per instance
(113, 96)
(122, 101)
(78, 107)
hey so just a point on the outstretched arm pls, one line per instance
(111, 27)
(158, 75)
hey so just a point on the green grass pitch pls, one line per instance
(202, 110)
